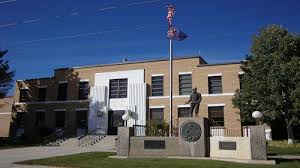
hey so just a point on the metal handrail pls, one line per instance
(58, 134)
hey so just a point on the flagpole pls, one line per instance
(177, 35)
(171, 35)
(171, 87)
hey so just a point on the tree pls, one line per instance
(271, 79)
(6, 75)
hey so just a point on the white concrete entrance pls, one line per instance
(102, 103)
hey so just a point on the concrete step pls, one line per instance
(71, 142)
(97, 141)
(108, 142)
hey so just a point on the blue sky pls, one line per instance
(48, 34)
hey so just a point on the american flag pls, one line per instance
(173, 33)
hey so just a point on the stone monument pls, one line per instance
(194, 137)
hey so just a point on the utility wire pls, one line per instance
(8, 1)
(137, 27)
(73, 13)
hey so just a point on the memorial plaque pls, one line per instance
(227, 145)
(154, 144)
(191, 131)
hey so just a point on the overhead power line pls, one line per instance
(8, 1)
(137, 27)
(72, 13)
(8, 24)
(141, 3)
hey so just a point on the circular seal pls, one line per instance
(191, 131)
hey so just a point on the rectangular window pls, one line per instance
(42, 94)
(81, 117)
(157, 115)
(83, 90)
(62, 91)
(20, 119)
(215, 84)
(185, 84)
(184, 112)
(60, 117)
(24, 95)
(118, 88)
(40, 118)
(216, 115)
(157, 86)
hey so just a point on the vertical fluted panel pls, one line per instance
(137, 102)
(98, 102)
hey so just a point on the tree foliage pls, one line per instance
(271, 79)
(6, 75)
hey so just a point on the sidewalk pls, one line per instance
(10, 156)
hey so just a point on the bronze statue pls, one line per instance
(195, 99)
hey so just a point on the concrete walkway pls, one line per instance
(9, 156)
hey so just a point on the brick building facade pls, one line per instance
(63, 101)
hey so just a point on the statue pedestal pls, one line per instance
(194, 137)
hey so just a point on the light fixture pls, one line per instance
(257, 114)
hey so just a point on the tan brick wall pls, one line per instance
(5, 116)
(5, 120)
(230, 80)
(73, 76)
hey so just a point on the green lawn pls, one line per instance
(283, 148)
(101, 160)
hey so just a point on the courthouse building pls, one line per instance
(95, 98)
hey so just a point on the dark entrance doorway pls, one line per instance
(114, 121)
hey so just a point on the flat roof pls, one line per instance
(134, 62)
(216, 64)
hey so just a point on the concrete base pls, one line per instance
(263, 162)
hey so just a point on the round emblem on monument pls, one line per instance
(191, 131)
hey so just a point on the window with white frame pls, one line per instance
(118, 88)
(24, 95)
(157, 86)
(83, 90)
(215, 84)
(216, 115)
(60, 119)
(185, 84)
(40, 118)
(62, 91)
(157, 115)
(20, 119)
(42, 94)
(81, 119)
